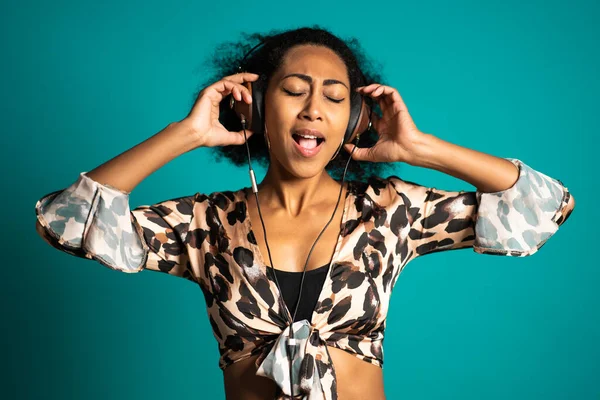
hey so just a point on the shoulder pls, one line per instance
(173, 210)
(388, 191)
(219, 217)
(229, 203)
(191, 206)
(221, 199)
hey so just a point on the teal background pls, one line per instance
(85, 81)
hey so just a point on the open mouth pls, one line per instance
(307, 141)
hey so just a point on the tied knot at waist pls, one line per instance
(312, 370)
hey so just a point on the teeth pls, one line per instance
(308, 136)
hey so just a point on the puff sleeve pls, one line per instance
(94, 221)
(514, 222)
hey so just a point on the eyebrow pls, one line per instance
(309, 79)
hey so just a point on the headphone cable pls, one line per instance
(255, 190)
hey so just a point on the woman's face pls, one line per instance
(310, 91)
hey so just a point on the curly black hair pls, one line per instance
(265, 60)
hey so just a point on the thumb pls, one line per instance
(240, 136)
(360, 153)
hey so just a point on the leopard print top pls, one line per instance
(208, 239)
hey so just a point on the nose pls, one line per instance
(312, 108)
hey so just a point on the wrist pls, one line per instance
(186, 133)
(181, 136)
(423, 150)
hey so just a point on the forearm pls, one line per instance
(128, 169)
(486, 172)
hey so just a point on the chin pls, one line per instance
(302, 168)
(305, 171)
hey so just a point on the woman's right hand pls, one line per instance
(203, 119)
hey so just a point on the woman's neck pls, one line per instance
(296, 195)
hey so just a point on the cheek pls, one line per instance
(341, 123)
(279, 122)
(280, 119)
(276, 108)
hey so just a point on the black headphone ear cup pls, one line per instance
(241, 107)
(359, 117)
(253, 112)
(355, 106)
(257, 104)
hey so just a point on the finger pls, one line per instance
(378, 91)
(242, 77)
(389, 98)
(393, 96)
(400, 101)
(379, 100)
(235, 92)
(244, 91)
(369, 87)
(376, 87)
(384, 92)
(359, 153)
(224, 87)
(375, 92)
(217, 91)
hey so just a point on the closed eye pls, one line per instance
(299, 94)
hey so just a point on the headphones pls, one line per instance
(253, 114)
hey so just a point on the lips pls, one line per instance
(308, 142)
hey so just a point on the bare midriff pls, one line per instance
(356, 379)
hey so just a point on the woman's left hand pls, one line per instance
(398, 134)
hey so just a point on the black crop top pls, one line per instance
(311, 288)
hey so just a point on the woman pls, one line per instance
(332, 316)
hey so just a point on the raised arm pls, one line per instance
(516, 221)
(92, 218)
(514, 210)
